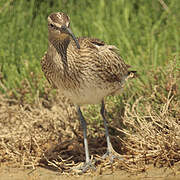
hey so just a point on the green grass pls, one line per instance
(147, 35)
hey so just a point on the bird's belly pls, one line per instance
(86, 95)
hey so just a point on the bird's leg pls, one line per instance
(88, 164)
(84, 126)
(110, 151)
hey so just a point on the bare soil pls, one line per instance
(44, 174)
(46, 136)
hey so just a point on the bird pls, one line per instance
(85, 70)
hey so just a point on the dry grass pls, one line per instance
(27, 132)
(50, 134)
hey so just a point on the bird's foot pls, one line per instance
(85, 167)
(112, 155)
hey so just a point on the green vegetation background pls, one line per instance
(146, 32)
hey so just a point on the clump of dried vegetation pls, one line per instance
(48, 133)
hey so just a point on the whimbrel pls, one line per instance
(84, 69)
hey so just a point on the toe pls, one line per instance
(88, 166)
(84, 168)
(112, 155)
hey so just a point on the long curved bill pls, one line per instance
(73, 36)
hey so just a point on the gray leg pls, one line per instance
(84, 126)
(109, 146)
(110, 151)
(88, 164)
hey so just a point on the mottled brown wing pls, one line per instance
(97, 42)
(113, 66)
(89, 41)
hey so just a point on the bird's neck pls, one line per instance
(61, 47)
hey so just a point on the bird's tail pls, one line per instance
(132, 74)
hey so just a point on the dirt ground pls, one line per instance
(49, 134)
(44, 174)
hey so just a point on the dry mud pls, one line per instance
(44, 174)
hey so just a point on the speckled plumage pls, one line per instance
(85, 70)
(84, 75)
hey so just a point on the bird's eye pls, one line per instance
(52, 25)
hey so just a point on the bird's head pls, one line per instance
(59, 27)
